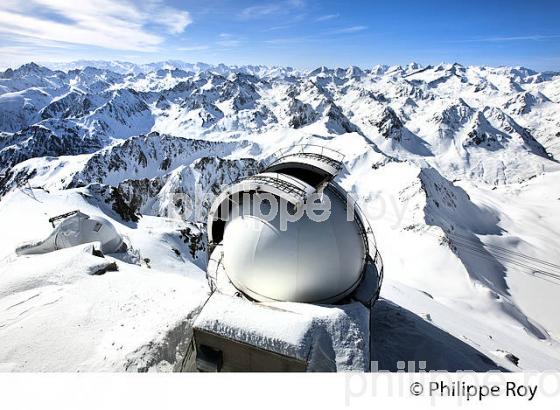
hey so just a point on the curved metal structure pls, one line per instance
(76, 228)
(324, 261)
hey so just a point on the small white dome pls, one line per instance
(308, 262)
(83, 229)
(77, 229)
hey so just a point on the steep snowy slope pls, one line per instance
(454, 166)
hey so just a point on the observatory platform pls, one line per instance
(268, 274)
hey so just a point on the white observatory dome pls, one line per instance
(307, 262)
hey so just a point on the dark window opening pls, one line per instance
(313, 178)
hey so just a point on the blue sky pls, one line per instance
(299, 33)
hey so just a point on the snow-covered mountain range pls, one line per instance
(456, 167)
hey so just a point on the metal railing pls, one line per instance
(57, 218)
(368, 237)
(332, 156)
(293, 186)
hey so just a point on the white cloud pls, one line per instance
(327, 17)
(228, 40)
(353, 29)
(193, 48)
(173, 19)
(287, 40)
(117, 24)
(260, 11)
(268, 9)
(532, 37)
(276, 28)
(320, 36)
